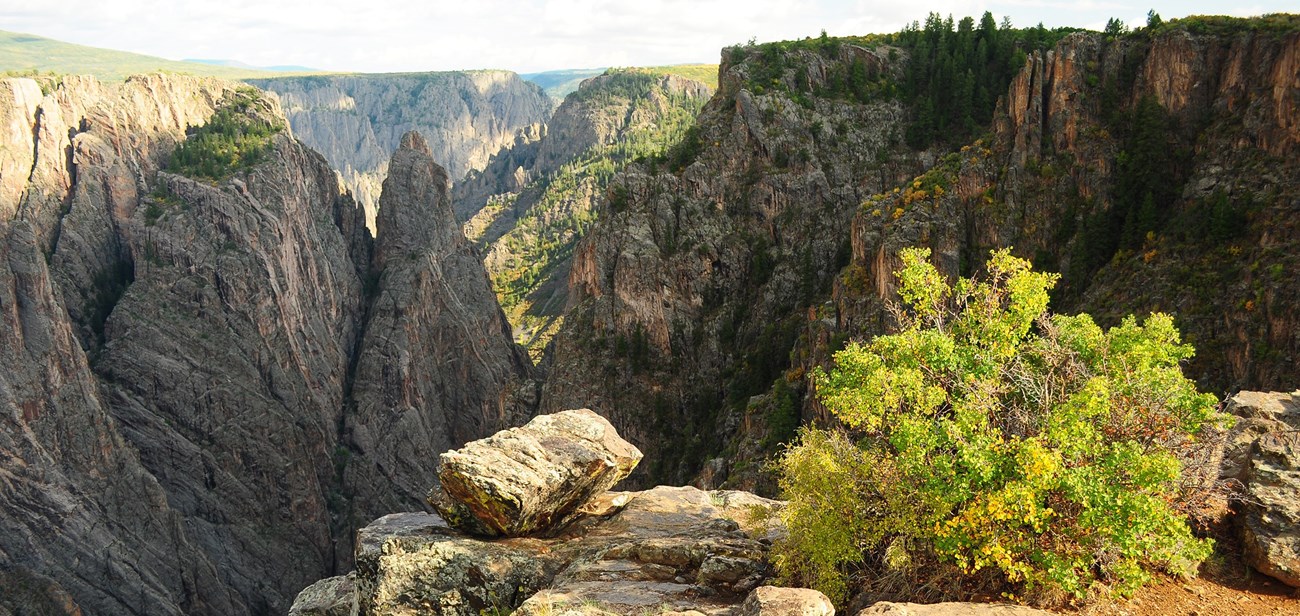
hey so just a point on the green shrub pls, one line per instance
(1041, 453)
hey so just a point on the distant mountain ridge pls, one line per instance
(28, 53)
(356, 120)
(279, 68)
(560, 83)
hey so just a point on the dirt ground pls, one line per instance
(1224, 588)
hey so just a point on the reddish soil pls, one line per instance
(1225, 588)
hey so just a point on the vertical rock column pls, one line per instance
(437, 366)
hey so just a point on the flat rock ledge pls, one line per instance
(667, 549)
(528, 527)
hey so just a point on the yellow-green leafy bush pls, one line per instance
(1039, 451)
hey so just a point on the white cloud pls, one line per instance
(526, 35)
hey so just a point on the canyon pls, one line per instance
(213, 383)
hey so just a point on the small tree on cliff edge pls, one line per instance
(1034, 453)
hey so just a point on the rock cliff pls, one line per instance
(703, 297)
(356, 121)
(86, 525)
(530, 206)
(182, 340)
(1155, 171)
(687, 295)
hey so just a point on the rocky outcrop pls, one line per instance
(1271, 524)
(668, 549)
(1256, 413)
(334, 596)
(413, 563)
(82, 524)
(777, 601)
(357, 121)
(1192, 118)
(530, 479)
(85, 523)
(1261, 456)
(436, 366)
(77, 159)
(227, 360)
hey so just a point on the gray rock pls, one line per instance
(336, 596)
(689, 273)
(1258, 413)
(227, 359)
(1271, 520)
(886, 608)
(526, 210)
(83, 523)
(638, 559)
(411, 563)
(529, 479)
(777, 601)
(214, 461)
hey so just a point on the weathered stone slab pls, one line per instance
(335, 596)
(777, 601)
(530, 479)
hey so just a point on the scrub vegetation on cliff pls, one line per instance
(954, 73)
(236, 137)
(989, 441)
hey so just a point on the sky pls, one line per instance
(524, 36)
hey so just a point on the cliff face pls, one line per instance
(1153, 170)
(686, 297)
(180, 352)
(530, 206)
(1156, 172)
(227, 359)
(356, 121)
(85, 523)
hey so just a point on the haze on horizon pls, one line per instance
(525, 36)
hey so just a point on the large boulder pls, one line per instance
(531, 479)
(777, 601)
(1271, 521)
